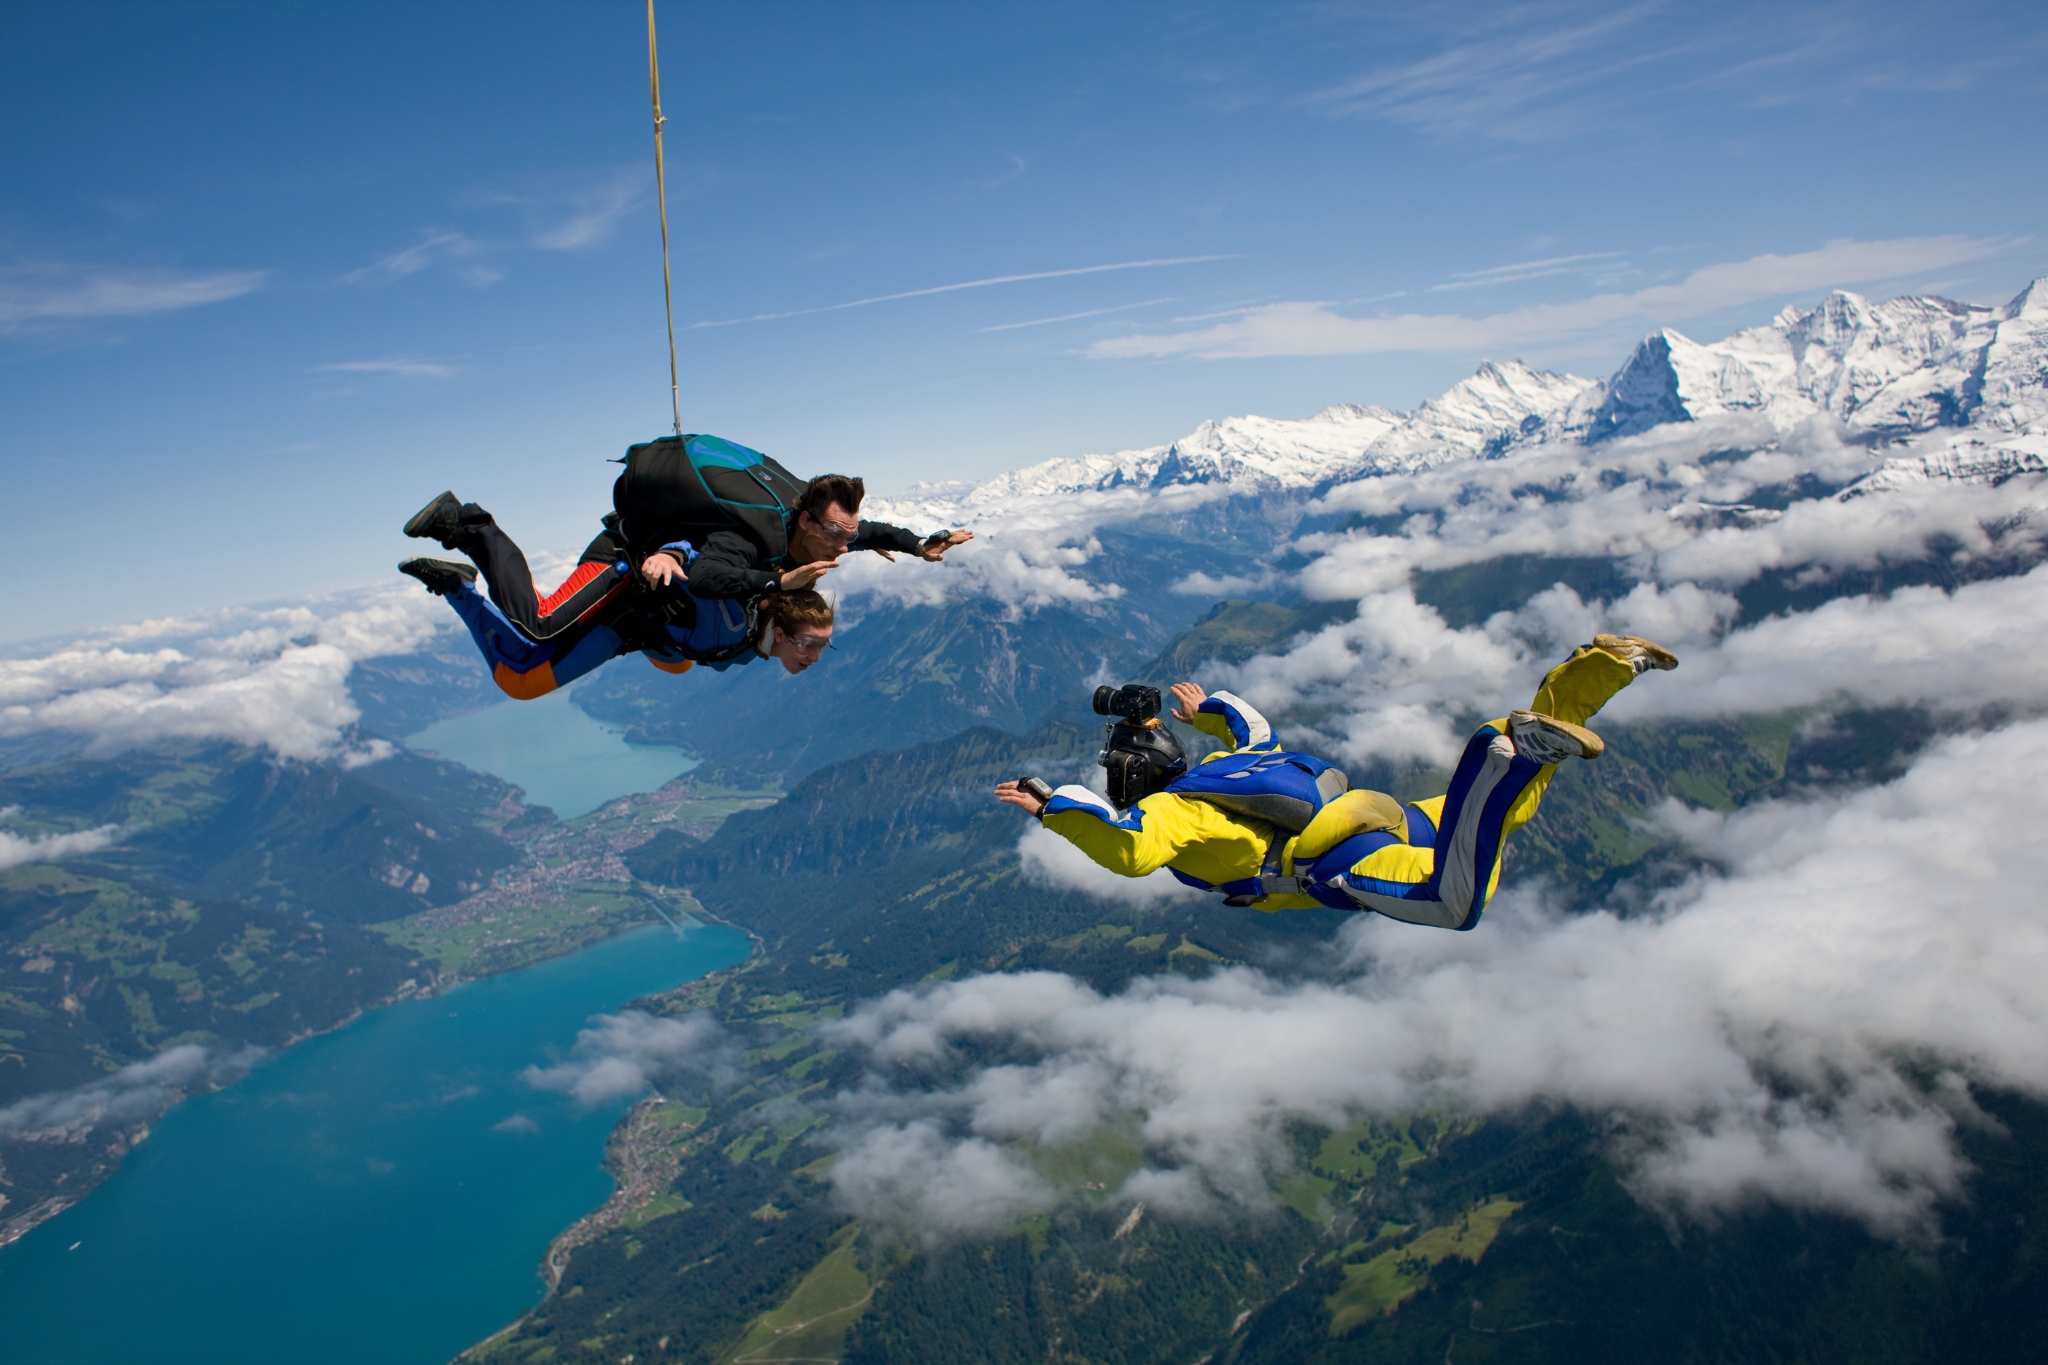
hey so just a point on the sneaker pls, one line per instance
(441, 576)
(1643, 655)
(439, 520)
(1546, 739)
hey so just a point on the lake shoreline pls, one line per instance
(127, 1138)
(431, 1081)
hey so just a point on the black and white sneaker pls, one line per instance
(439, 520)
(1546, 739)
(441, 576)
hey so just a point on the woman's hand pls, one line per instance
(660, 567)
(1013, 794)
(807, 575)
(1190, 698)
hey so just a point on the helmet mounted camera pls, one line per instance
(1139, 753)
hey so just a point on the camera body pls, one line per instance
(1133, 701)
(1139, 753)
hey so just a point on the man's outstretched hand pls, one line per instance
(1013, 794)
(935, 549)
(1190, 698)
(807, 574)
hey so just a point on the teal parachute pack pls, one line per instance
(686, 487)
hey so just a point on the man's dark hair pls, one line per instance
(828, 489)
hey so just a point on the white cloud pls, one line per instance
(273, 676)
(1534, 73)
(1396, 684)
(593, 213)
(1525, 76)
(627, 1052)
(407, 367)
(1528, 270)
(49, 294)
(1051, 862)
(431, 249)
(139, 1091)
(1199, 584)
(16, 849)
(984, 283)
(1016, 563)
(294, 702)
(942, 1186)
(1673, 506)
(1801, 1027)
(1311, 328)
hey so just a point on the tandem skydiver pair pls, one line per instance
(1278, 830)
(708, 557)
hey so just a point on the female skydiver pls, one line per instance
(674, 628)
(1433, 862)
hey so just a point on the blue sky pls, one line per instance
(272, 276)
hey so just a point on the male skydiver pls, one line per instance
(1433, 862)
(727, 563)
(675, 630)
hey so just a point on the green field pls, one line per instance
(702, 809)
(811, 1323)
(501, 940)
(1379, 1285)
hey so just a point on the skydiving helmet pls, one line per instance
(1140, 753)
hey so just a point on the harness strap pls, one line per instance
(1271, 886)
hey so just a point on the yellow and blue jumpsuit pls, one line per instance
(1433, 862)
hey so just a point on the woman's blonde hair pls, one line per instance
(798, 610)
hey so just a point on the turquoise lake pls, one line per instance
(380, 1194)
(565, 760)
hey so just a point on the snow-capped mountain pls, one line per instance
(1885, 371)
(1502, 405)
(1257, 453)
(1963, 459)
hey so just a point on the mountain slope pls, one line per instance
(1885, 371)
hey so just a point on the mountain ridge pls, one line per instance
(1884, 373)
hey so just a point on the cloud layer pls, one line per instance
(16, 849)
(1051, 862)
(53, 294)
(1801, 1026)
(1315, 328)
(1802, 1021)
(135, 1093)
(267, 676)
(625, 1053)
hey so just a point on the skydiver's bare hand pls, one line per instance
(935, 549)
(1013, 794)
(807, 575)
(658, 569)
(1190, 698)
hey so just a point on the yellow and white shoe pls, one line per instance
(1546, 739)
(1643, 655)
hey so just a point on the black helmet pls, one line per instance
(1142, 757)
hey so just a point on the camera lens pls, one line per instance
(1105, 697)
